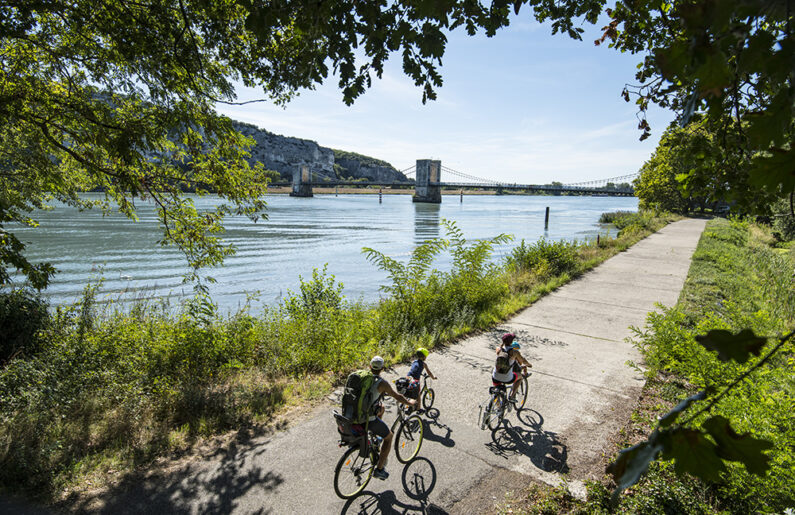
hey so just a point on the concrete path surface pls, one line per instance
(581, 393)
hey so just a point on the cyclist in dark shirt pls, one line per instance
(419, 365)
(415, 372)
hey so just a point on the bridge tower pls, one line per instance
(302, 182)
(426, 188)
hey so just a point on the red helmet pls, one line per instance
(508, 338)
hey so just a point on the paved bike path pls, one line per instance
(580, 394)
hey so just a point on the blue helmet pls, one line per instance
(515, 345)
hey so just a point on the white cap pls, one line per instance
(377, 363)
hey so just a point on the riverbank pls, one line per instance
(741, 277)
(104, 397)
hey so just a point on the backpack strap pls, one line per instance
(367, 384)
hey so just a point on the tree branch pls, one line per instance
(80, 159)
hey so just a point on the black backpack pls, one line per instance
(357, 398)
(503, 363)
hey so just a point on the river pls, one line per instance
(300, 234)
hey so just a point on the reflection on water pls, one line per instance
(300, 234)
(426, 222)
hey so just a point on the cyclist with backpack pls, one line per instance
(361, 404)
(509, 362)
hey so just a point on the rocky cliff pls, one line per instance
(351, 164)
(286, 155)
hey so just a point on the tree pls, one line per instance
(656, 186)
(119, 96)
(730, 58)
(699, 166)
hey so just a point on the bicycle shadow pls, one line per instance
(530, 417)
(418, 479)
(433, 421)
(543, 448)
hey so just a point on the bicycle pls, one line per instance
(498, 404)
(408, 437)
(355, 467)
(427, 394)
(425, 397)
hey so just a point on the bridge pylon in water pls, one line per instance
(426, 187)
(302, 182)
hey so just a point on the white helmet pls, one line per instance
(377, 363)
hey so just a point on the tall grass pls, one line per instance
(113, 389)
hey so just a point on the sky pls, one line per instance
(524, 106)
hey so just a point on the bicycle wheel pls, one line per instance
(521, 394)
(353, 472)
(427, 398)
(408, 439)
(494, 412)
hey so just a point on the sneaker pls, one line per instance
(381, 474)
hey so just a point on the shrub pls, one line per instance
(612, 216)
(558, 257)
(785, 226)
(22, 315)
(783, 221)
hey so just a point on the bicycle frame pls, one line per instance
(424, 383)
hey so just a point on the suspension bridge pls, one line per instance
(428, 185)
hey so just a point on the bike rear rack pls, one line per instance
(496, 389)
(348, 436)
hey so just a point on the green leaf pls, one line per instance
(770, 127)
(737, 347)
(714, 75)
(633, 462)
(672, 60)
(694, 454)
(773, 170)
(739, 447)
(670, 417)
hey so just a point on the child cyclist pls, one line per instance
(509, 361)
(415, 372)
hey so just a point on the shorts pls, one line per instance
(378, 427)
(497, 382)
